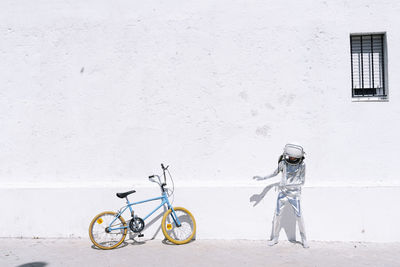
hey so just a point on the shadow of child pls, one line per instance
(288, 220)
(256, 198)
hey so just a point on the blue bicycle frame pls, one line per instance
(129, 205)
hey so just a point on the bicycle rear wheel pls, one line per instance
(99, 232)
(178, 234)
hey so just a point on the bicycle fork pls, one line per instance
(173, 214)
(175, 218)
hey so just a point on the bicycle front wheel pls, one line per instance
(101, 233)
(178, 234)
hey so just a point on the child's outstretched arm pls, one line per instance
(275, 173)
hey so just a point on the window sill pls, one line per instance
(370, 99)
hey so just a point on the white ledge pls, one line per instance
(217, 184)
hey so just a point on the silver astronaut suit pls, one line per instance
(293, 171)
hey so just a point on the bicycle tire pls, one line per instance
(98, 220)
(174, 233)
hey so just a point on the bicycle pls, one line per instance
(108, 229)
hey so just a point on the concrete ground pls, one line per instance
(79, 252)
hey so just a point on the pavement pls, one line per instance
(80, 252)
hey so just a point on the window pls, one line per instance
(368, 66)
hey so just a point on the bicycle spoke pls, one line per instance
(107, 238)
(182, 232)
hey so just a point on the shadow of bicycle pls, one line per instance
(135, 236)
(169, 243)
(123, 244)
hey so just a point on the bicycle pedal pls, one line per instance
(140, 235)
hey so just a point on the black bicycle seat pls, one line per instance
(122, 195)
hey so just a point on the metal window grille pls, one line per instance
(367, 65)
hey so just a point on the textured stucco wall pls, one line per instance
(330, 213)
(96, 93)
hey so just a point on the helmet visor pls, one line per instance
(293, 151)
(292, 160)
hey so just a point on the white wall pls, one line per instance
(222, 212)
(97, 94)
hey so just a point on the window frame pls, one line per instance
(376, 98)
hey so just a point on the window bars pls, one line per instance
(367, 65)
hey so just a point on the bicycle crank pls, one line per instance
(136, 224)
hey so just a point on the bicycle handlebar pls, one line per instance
(163, 167)
(160, 183)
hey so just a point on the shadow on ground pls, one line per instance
(34, 264)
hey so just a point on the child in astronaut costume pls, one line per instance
(293, 170)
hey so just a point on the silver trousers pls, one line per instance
(282, 201)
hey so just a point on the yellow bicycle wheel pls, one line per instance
(99, 232)
(178, 234)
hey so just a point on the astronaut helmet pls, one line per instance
(293, 154)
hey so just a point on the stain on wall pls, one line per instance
(263, 131)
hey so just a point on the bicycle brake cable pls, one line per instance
(173, 187)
